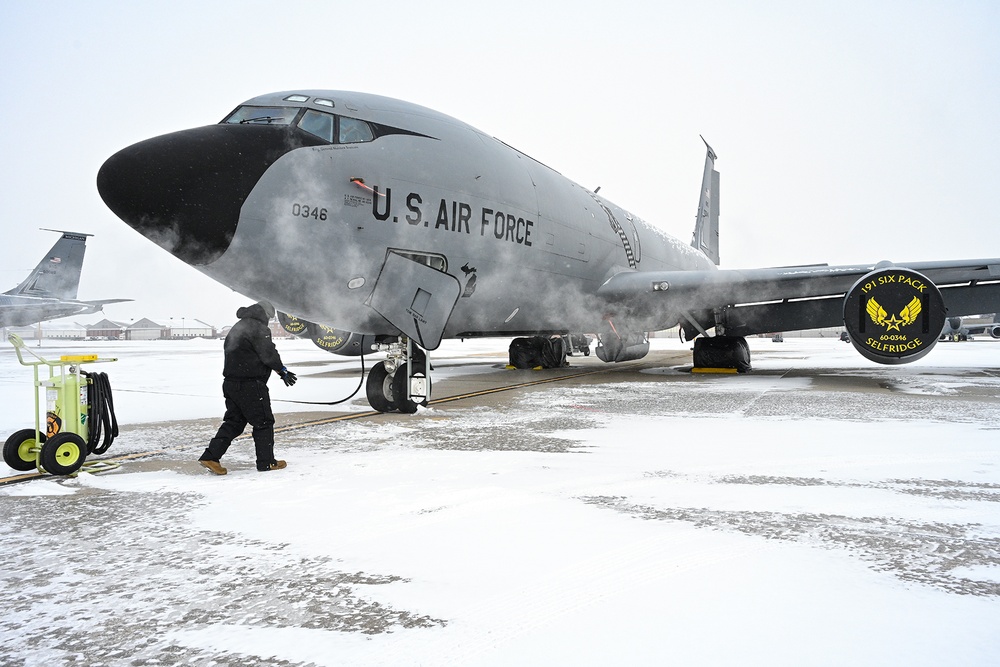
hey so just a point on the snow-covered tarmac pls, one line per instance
(820, 511)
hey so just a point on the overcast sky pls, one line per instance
(845, 131)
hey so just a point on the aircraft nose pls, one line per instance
(184, 190)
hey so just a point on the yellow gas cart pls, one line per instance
(79, 410)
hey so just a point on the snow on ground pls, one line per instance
(163, 380)
(822, 510)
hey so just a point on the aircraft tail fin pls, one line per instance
(58, 274)
(706, 228)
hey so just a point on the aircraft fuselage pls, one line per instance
(309, 225)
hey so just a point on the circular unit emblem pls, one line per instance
(292, 324)
(894, 316)
(327, 337)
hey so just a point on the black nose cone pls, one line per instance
(185, 190)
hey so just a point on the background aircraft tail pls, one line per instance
(706, 227)
(58, 274)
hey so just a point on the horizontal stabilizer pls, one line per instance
(100, 303)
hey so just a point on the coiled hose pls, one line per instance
(102, 419)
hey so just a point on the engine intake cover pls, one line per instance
(292, 324)
(894, 315)
(329, 338)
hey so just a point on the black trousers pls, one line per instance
(247, 402)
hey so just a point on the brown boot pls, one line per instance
(277, 465)
(214, 466)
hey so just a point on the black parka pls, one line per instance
(250, 352)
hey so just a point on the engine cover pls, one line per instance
(339, 341)
(894, 315)
(292, 324)
(330, 339)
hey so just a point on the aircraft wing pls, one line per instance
(787, 298)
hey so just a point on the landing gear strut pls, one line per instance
(401, 382)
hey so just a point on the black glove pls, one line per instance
(288, 377)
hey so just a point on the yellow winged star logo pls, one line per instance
(908, 315)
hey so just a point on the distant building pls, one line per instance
(191, 329)
(146, 329)
(278, 331)
(106, 330)
(50, 330)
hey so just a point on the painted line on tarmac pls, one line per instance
(28, 476)
(436, 401)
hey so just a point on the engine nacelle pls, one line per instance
(330, 339)
(292, 324)
(994, 331)
(622, 347)
(894, 315)
(343, 342)
(954, 324)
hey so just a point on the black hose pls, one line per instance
(361, 381)
(101, 418)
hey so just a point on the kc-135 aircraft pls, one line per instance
(380, 224)
(49, 292)
(956, 329)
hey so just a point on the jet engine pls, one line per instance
(615, 343)
(329, 338)
(894, 315)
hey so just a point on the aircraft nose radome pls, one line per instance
(184, 190)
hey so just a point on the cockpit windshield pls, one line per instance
(263, 115)
(329, 127)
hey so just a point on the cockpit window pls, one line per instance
(354, 131)
(318, 123)
(263, 115)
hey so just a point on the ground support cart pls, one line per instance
(78, 408)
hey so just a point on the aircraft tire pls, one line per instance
(379, 389)
(405, 405)
(16, 450)
(63, 453)
(722, 352)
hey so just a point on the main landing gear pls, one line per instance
(401, 382)
(722, 352)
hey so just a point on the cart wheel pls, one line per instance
(17, 450)
(63, 453)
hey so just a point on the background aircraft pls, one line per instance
(405, 226)
(49, 291)
(955, 329)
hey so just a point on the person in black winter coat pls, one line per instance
(250, 358)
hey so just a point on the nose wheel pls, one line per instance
(378, 387)
(401, 382)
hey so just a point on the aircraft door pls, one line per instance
(415, 298)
